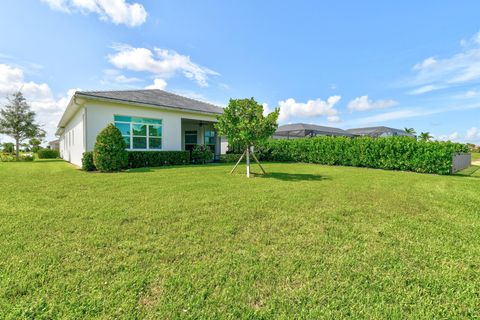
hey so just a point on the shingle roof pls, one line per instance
(154, 97)
(303, 129)
(377, 131)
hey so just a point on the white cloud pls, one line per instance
(459, 69)
(363, 104)
(468, 95)
(450, 137)
(161, 62)
(424, 89)
(112, 76)
(39, 95)
(157, 84)
(116, 11)
(473, 135)
(312, 108)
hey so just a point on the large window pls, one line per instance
(210, 139)
(140, 133)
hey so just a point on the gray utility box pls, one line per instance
(461, 161)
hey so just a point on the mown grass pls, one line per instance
(306, 241)
(475, 156)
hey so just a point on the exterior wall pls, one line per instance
(72, 143)
(461, 161)
(100, 114)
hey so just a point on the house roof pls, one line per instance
(304, 129)
(149, 97)
(154, 97)
(377, 131)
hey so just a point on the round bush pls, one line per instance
(109, 152)
(87, 161)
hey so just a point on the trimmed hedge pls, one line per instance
(231, 157)
(48, 154)
(141, 159)
(392, 153)
(87, 161)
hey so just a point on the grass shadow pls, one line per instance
(293, 176)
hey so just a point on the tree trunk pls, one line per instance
(248, 161)
(17, 147)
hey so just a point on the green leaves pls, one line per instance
(392, 153)
(17, 120)
(109, 152)
(244, 124)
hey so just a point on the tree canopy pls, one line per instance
(17, 120)
(244, 124)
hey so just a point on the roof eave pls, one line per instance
(147, 105)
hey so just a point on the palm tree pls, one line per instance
(410, 130)
(425, 136)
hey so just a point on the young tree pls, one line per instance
(17, 120)
(425, 136)
(244, 125)
(35, 144)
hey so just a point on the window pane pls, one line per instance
(145, 120)
(191, 137)
(124, 128)
(139, 129)
(139, 143)
(127, 141)
(122, 118)
(154, 131)
(155, 143)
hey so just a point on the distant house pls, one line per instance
(54, 144)
(301, 130)
(149, 120)
(376, 132)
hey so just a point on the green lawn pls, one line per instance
(307, 241)
(475, 156)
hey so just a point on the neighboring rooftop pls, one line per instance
(304, 130)
(154, 97)
(379, 132)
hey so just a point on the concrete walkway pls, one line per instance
(476, 163)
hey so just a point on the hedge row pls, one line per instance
(231, 157)
(141, 159)
(48, 154)
(392, 153)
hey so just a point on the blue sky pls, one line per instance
(338, 63)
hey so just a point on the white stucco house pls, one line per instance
(150, 120)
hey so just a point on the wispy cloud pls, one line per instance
(364, 104)
(162, 63)
(435, 73)
(116, 11)
(407, 113)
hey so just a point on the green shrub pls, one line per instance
(87, 161)
(109, 152)
(4, 157)
(201, 154)
(8, 147)
(230, 157)
(48, 154)
(141, 159)
(392, 153)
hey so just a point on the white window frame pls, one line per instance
(147, 136)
